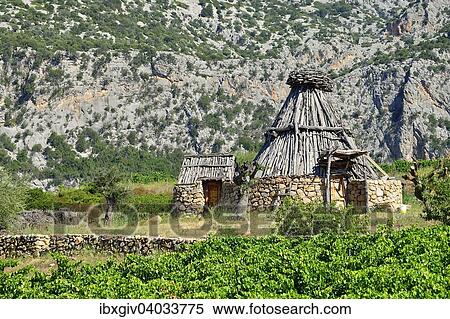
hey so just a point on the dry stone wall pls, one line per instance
(267, 193)
(380, 193)
(188, 198)
(36, 245)
(230, 197)
(191, 199)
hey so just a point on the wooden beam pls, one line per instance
(291, 127)
(328, 181)
(321, 128)
(376, 166)
(366, 186)
(209, 165)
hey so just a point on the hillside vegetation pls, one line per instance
(186, 76)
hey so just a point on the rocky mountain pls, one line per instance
(209, 75)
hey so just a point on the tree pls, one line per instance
(12, 198)
(109, 183)
(433, 190)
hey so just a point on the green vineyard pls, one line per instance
(408, 263)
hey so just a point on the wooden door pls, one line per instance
(212, 190)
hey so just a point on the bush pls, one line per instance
(404, 166)
(38, 199)
(296, 218)
(148, 179)
(6, 143)
(398, 166)
(204, 102)
(12, 198)
(76, 197)
(436, 198)
(150, 204)
(207, 11)
(36, 148)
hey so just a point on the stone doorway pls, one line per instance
(212, 191)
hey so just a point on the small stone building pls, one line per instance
(307, 154)
(205, 181)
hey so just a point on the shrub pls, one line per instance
(151, 178)
(207, 11)
(70, 197)
(36, 198)
(204, 102)
(36, 148)
(12, 198)
(296, 218)
(398, 166)
(436, 197)
(6, 143)
(150, 204)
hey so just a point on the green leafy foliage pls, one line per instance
(150, 204)
(411, 263)
(44, 34)
(404, 166)
(36, 198)
(434, 188)
(207, 11)
(64, 164)
(296, 218)
(338, 8)
(79, 199)
(144, 26)
(12, 198)
(437, 199)
(65, 197)
(6, 143)
(109, 183)
(397, 166)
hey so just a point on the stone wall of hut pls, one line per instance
(191, 199)
(230, 196)
(188, 198)
(380, 193)
(267, 193)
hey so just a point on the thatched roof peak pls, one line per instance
(310, 78)
(305, 128)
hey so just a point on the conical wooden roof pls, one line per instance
(305, 129)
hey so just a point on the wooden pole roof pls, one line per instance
(207, 167)
(305, 127)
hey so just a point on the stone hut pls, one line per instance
(205, 181)
(307, 154)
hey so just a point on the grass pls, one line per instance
(153, 188)
(188, 226)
